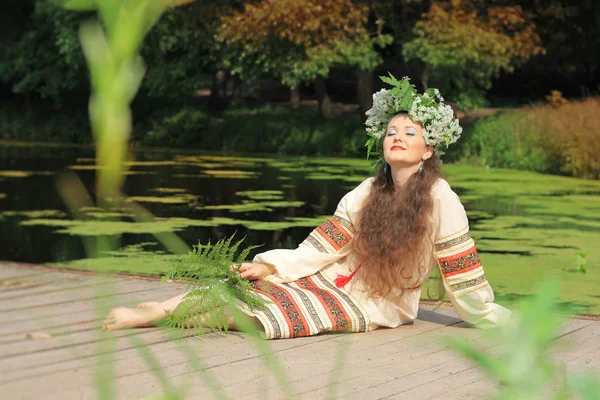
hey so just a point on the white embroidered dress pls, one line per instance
(305, 300)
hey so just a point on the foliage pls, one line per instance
(265, 130)
(212, 272)
(180, 52)
(556, 99)
(440, 128)
(40, 51)
(580, 262)
(541, 138)
(505, 140)
(465, 50)
(43, 125)
(298, 40)
(524, 367)
(568, 31)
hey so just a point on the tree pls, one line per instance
(463, 50)
(42, 55)
(298, 41)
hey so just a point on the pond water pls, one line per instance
(527, 226)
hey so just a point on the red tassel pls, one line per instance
(342, 280)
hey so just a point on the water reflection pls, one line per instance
(201, 197)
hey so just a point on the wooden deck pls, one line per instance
(51, 347)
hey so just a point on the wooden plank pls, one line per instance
(411, 360)
(374, 366)
(51, 283)
(64, 309)
(10, 270)
(580, 349)
(130, 363)
(469, 382)
(81, 328)
(61, 297)
(243, 350)
(66, 323)
(297, 358)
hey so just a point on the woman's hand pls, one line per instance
(255, 271)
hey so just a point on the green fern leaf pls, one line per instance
(214, 286)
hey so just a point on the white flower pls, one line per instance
(440, 128)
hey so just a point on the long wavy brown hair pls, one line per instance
(394, 232)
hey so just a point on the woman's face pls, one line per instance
(404, 144)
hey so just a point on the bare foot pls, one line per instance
(124, 318)
(148, 304)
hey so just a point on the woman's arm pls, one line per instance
(325, 245)
(459, 263)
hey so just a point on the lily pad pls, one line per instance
(176, 199)
(35, 214)
(230, 173)
(253, 206)
(262, 194)
(15, 174)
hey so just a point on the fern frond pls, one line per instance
(214, 286)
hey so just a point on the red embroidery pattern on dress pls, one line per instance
(337, 315)
(295, 319)
(460, 263)
(334, 233)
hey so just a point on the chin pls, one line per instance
(398, 162)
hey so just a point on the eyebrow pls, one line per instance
(406, 126)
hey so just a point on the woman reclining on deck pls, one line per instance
(363, 268)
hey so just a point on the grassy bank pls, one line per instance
(562, 139)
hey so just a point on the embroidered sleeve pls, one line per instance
(460, 265)
(333, 235)
(326, 244)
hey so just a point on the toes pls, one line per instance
(110, 327)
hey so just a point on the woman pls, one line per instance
(363, 268)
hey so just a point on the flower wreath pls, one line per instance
(440, 128)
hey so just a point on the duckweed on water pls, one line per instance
(328, 177)
(249, 206)
(262, 194)
(161, 225)
(35, 214)
(133, 259)
(95, 167)
(15, 174)
(169, 190)
(176, 199)
(533, 228)
(207, 174)
(150, 163)
(230, 173)
(108, 215)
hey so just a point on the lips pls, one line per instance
(397, 148)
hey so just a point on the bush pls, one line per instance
(44, 125)
(562, 138)
(260, 130)
(183, 127)
(572, 135)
